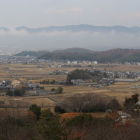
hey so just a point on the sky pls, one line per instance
(44, 13)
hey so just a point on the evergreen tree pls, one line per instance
(36, 110)
(50, 127)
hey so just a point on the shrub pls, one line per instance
(36, 110)
(80, 120)
(113, 104)
(60, 110)
(53, 82)
(98, 107)
(53, 89)
(16, 92)
(9, 93)
(50, 126)
(60, 89)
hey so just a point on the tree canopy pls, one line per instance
(36, 110)
(78, 74)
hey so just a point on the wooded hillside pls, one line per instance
(114, 55)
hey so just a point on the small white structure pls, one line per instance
(74, 62)
(123, 115)
(138, 103)
(95, 62)
(77, 81)
(59, 66)
(68, 62)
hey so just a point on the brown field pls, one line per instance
(119, 90)
(121, 67)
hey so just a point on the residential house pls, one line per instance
(15, 83)
(77, 81)
(34, 86)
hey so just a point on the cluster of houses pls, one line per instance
(107, 78)
(82, 62)
(54, 66)
(57, 72)
(132, 63)
(10, 59)
(27, 60)
(61, 82)
(119, 74)
(34, 86)
(77, 81)
(107, 81)
(7, 84)
(126, 74)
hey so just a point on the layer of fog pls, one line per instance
(21, 40)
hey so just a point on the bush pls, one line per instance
(50, 126)
(60, 110)
(53, 89)
(60, 89)
(88, 102)
(9, 93)
(131, 101)
(113, 104)
(36, 110)
(69, 83)
(80, 120)
(16, 92)
(78, 74)
(53, 82)
(98, 107)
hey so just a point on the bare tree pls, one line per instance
(78, 102)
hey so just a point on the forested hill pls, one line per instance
(76, 50)
(31, 53)
(114, 55)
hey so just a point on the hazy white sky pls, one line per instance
(43, 13)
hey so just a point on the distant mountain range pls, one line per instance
(78, 28)
(4, 29)
(114, 55)
(60, 37)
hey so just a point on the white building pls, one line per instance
(95, 62)
(74, 62)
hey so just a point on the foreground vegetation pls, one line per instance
(84, 124)
(69, 126)
(44, 124)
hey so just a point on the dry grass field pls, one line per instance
(122, 67)
(119, 90)
(36, 72)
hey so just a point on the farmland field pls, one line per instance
(37, 72)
